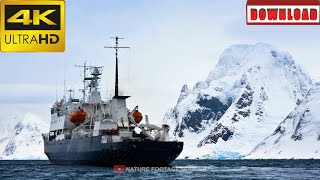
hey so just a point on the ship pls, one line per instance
(92, 131)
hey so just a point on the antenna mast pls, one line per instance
(116, 91)
(56, 91)
(64, 87)
(96, 72)
(70, 93)
(85, 68)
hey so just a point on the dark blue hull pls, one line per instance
(91, 151)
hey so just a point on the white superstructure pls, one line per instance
(91, 116)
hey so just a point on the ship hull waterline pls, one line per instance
(91, 151)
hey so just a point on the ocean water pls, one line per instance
(179, 169)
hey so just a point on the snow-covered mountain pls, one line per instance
(20, 137)
(298, 136)
(249, 92)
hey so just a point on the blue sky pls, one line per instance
(172, 43)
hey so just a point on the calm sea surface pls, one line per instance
(180, 169)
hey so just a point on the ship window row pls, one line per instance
(59, 120)
(54, 110)
(53, 144)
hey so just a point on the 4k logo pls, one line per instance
(32, 26)
(26, 17)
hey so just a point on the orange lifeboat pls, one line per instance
(137, 116)
(77, 116)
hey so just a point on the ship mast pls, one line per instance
(70, 93)
(116, 91)
(85, 68)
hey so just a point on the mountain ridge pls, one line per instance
(249, 92)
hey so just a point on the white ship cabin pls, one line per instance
(91, 117)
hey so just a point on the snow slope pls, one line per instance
(249, 92)
(298, 136)
(20, 137)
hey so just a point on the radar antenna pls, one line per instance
(70, 93)
(116, 93)
(85, 68)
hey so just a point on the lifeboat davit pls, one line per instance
(137, 116)
(77, 116)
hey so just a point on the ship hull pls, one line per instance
(92, 151)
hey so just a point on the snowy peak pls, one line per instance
(184, 93)
(249, 92)
(298, 136)
(235, 59)
(24, 140)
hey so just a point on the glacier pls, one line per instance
(244, 98)
(297, 136)
(20, 137)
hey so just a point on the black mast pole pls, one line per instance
(116, 89)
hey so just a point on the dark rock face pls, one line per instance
(263, 94)
(274, 54)
(10, 148)
(303, 119)
(244, 101)
(219, 131)
(279, 129)
(260, 105)
(211, 110)
(184, 93)
(297, 137)
(18, 128)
